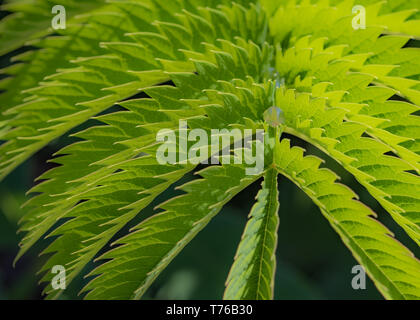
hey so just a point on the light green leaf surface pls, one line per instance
(353, 94)
(391, 266)
(252, 274)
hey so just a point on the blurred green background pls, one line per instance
(312, 262)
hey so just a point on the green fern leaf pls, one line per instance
(133, 68)
(370, 242)
(252, 274)
(161, 237)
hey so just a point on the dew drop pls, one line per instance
(274, 116)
